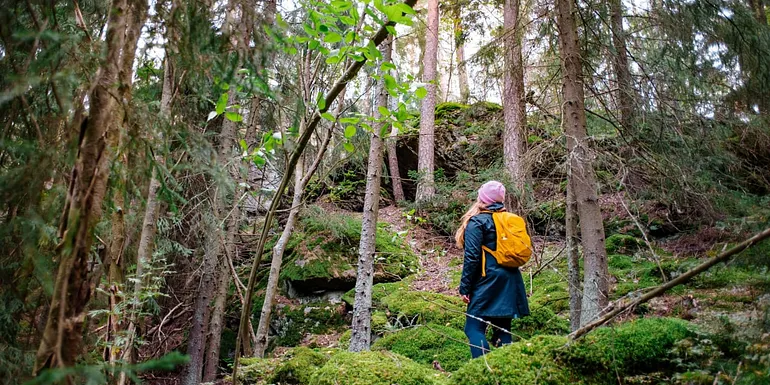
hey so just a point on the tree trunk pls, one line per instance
(625, 91)
(360, 339)
(137, 13)
(582, 176)
(426, 188)
(395, 175)
(514, 103)
(573, 260)
(758, 7)
(60, 344)
(462, 70)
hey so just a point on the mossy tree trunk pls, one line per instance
(514, 103)
(62, 336)
(360, 338)
(582, 176)
(426, 188)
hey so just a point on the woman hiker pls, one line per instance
(495, 294)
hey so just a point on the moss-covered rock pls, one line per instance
(622, 243)
(257, 371)
(426, 307)
(639, 346)
(428, 343)
(521, 363)
(298, 366)
(322, 253)
(379, 291)
(542, 320)
(375, 368)
(296, 321)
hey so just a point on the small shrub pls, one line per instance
(317, 318)
(374, 368)
(427, 343)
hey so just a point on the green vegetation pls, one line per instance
(521, 363)
(318, 318)
(428, 343)
(414, 307)
(298, 366)
(375, 368)
(325, 246)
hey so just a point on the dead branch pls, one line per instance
(659, 290)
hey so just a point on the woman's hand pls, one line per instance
(466, 298)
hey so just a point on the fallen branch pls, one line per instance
(659, 290)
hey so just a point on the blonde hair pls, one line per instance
(477, 208)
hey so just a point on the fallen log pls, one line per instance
(659, 290)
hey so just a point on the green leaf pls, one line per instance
(350, 131)
(259, 161)
(332, 60)
(313, 44)
(341, 5)
(391, 84)
(391, 29)
(349, 37)
(323, 28)
(348, 20)
(383, 111)
(320, 102)
(332, 37)
(222, 103)
(244, 145)
(350, 120)
(405, 9)
(328, 116)
(234, 116)
(388, 66)
(421, 92)
(348, 147)
(309, 30)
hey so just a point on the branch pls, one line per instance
(659, 290)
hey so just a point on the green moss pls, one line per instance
(427, 343)
(325, 245)
(621, 262)
(521, 363)
(542, 320)
(616, 243)
(380, 322)
(426, 307)
(298, 366)
(639, 346)
(374, 368)
(317, 318)
(257, 371)
(379, 291)
(444, 108)
(344, 341)
(549, 290)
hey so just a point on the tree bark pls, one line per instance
(514, 103)
(62, 336)
(462, 69)
(625, 91)
(684, 278)
(395, 175)
(573, 260)
(758, 7)
(582, 176)
(360, 338)
(426, 188)
(335, 90)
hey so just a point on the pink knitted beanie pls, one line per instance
(491, 192)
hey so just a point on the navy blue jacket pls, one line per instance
(501, 292)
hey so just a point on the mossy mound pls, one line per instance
(427, 343)
(295, 321)
(542, 320)
(322, 253)
(622, 243)
(257, 371)
(522, 363)
(298, 366)
(549, 290)
(375, 368)
(639, 346)
(418, 307)
(379, 291)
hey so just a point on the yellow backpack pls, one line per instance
(514, 248)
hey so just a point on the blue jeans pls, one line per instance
(476, 331)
